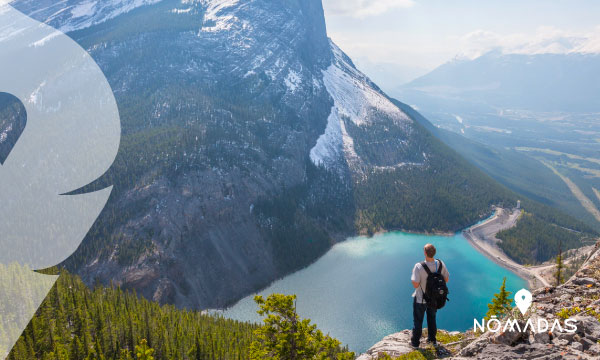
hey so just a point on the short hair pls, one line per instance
(429, 250)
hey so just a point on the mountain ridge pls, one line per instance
(541, 82)
(221, 183)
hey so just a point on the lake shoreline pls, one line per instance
(360, 290)
(524, 274)
(491, 251)
(494, 253)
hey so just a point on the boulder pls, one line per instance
(588, 326)
(511, 338)
(475, 347)
(393, 345)
(587, 343)
(522, 352)
(584, 281)
(541, 338)
(560, 342)
(564, 298)
(565, 336)
(594, 350)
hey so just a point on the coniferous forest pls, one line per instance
(541, 233)
(75, 323)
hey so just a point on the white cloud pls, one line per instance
(364, 8)
(545, 40)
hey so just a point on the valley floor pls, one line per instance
(483, 238)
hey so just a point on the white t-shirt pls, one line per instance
(420, 275)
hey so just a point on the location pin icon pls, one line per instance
(523, 300)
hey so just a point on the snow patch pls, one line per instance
(354, 94)
(35, 95)
(316, 83)
(85, 13)
(214, 13)
(330, 144)
(44, 40)
(85, 9)
(355, 99)
(181, 11)
(293, 81)
(4, 134)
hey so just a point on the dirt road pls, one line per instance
(483, 238)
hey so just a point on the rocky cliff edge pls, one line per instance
(578, 300)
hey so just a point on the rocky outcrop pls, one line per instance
(398, 344)
(578, 299)
(393, 345)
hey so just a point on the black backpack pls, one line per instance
(436, 291)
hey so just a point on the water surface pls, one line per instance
(360, 291)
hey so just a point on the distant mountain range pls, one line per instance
(542, 82)
(532, 121)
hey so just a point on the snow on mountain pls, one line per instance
(244, 92)
(355, 99)
(293, 80)
(545, 40)
(216, 14)
(71, 15)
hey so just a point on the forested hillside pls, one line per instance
(75, 323)
(447, 195)
(234, 169)
(542, 232)
(544, 228)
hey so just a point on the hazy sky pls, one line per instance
(415, 36)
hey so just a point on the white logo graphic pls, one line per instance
(70, 139)
(523, 300)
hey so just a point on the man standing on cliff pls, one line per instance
(435, 269)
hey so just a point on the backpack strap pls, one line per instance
(426, 268)
(439, 271)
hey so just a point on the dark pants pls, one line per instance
(419, 311)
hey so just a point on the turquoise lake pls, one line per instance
(360, 291)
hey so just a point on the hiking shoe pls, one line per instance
(414, 346)
(432, 342)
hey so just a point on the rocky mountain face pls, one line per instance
(73, 15)
(250, 145)
(578, 299)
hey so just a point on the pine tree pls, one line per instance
(284, 336)
(125, 355)
(559, 266)
(143, 352)
(501, 303)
